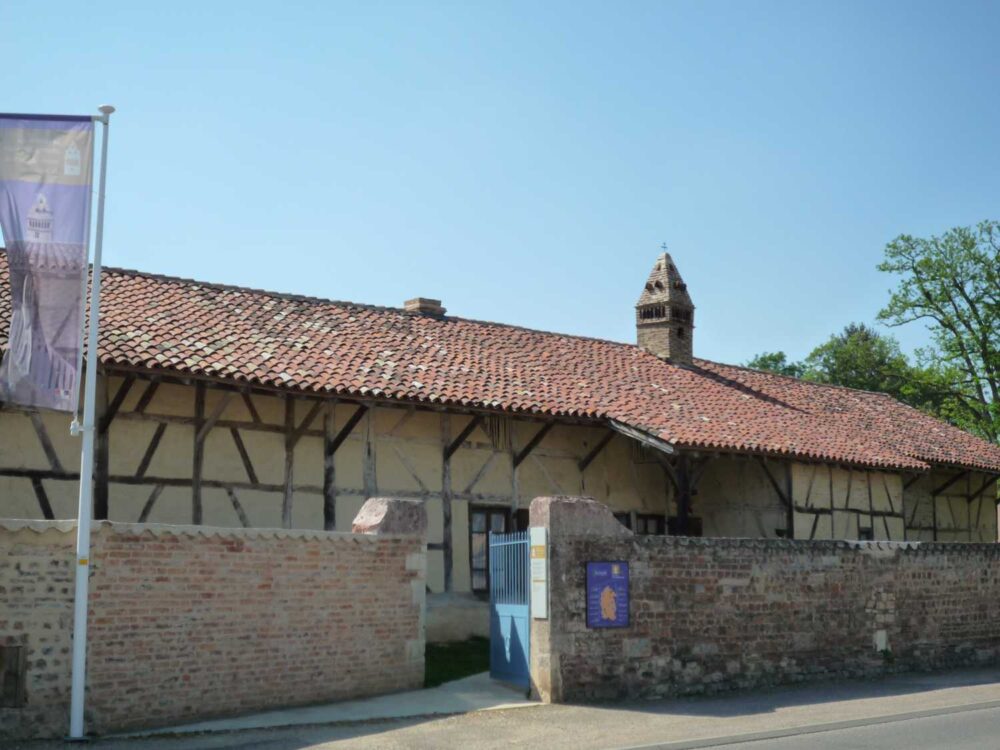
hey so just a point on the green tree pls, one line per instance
(952, 284)
(859, 357)
(776, 362)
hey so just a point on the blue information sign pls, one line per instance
(607, 595)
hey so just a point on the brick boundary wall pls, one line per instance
(709, 615)
(189, 623)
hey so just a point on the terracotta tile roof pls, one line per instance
(357, 350)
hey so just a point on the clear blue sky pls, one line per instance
(524, 161)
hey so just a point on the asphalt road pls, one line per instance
(964, 730)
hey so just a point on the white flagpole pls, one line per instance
(79, 680)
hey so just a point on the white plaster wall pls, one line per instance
(846, 500)
(736, 499)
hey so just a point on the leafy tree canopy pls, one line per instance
(952, 284)
(861, 357)
(776, 362)
(858, 357)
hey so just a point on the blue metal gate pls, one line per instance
(510, 624)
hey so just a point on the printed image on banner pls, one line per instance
(46, 166)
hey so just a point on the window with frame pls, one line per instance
(481, 522)
(650, 524)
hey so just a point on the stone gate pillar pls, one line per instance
(565, 517)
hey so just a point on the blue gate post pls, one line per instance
(510, 616)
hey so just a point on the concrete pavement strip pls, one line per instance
(470, 694)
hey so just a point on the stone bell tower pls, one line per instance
(664, 314)
(39, 221)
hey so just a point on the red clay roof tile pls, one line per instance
(349, 349)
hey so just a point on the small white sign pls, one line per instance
(538, 539)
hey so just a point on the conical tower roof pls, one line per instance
(665, 286)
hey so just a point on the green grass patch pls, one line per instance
(444, 662)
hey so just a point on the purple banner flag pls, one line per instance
(46, 170)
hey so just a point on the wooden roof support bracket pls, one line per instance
(310, 416)
(949, 483)
(643, 437)
(785, 499)
(212, 418)
(147, 395)
(455, 444)
(116, 402)
(584, 462)
(533, 443)
(346, 430)
(983, 487)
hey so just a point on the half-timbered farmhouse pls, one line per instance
(227, 406)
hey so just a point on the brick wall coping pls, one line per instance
(162, 529)
(803, 545)
(40, 527)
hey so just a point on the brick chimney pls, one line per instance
(424, 306)
(664, 314)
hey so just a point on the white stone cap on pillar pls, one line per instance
(566, 515)
(391, 515)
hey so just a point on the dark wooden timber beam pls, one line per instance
(43, 438)
(251, 409)
(150, 502)
(855, 511)
(449, 448)
(949, 483)
(532, 444)
(286, 501)
(790, 518)
(643, 437)
(455, 444)
(595, 451)
(43, 499)
(101, 452)
(212, 418)
(240, 513)
(785, 499)
(983, 487)
(682, 471)
(669, 470)
(329, 471)
(199, 454)
(244, 456)
(133, 481)
(116, 403)
(307, 420)
(347, 429)
(698, 472)
(41, 474)
(147, 396)
(101, 446)
(147, 457)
